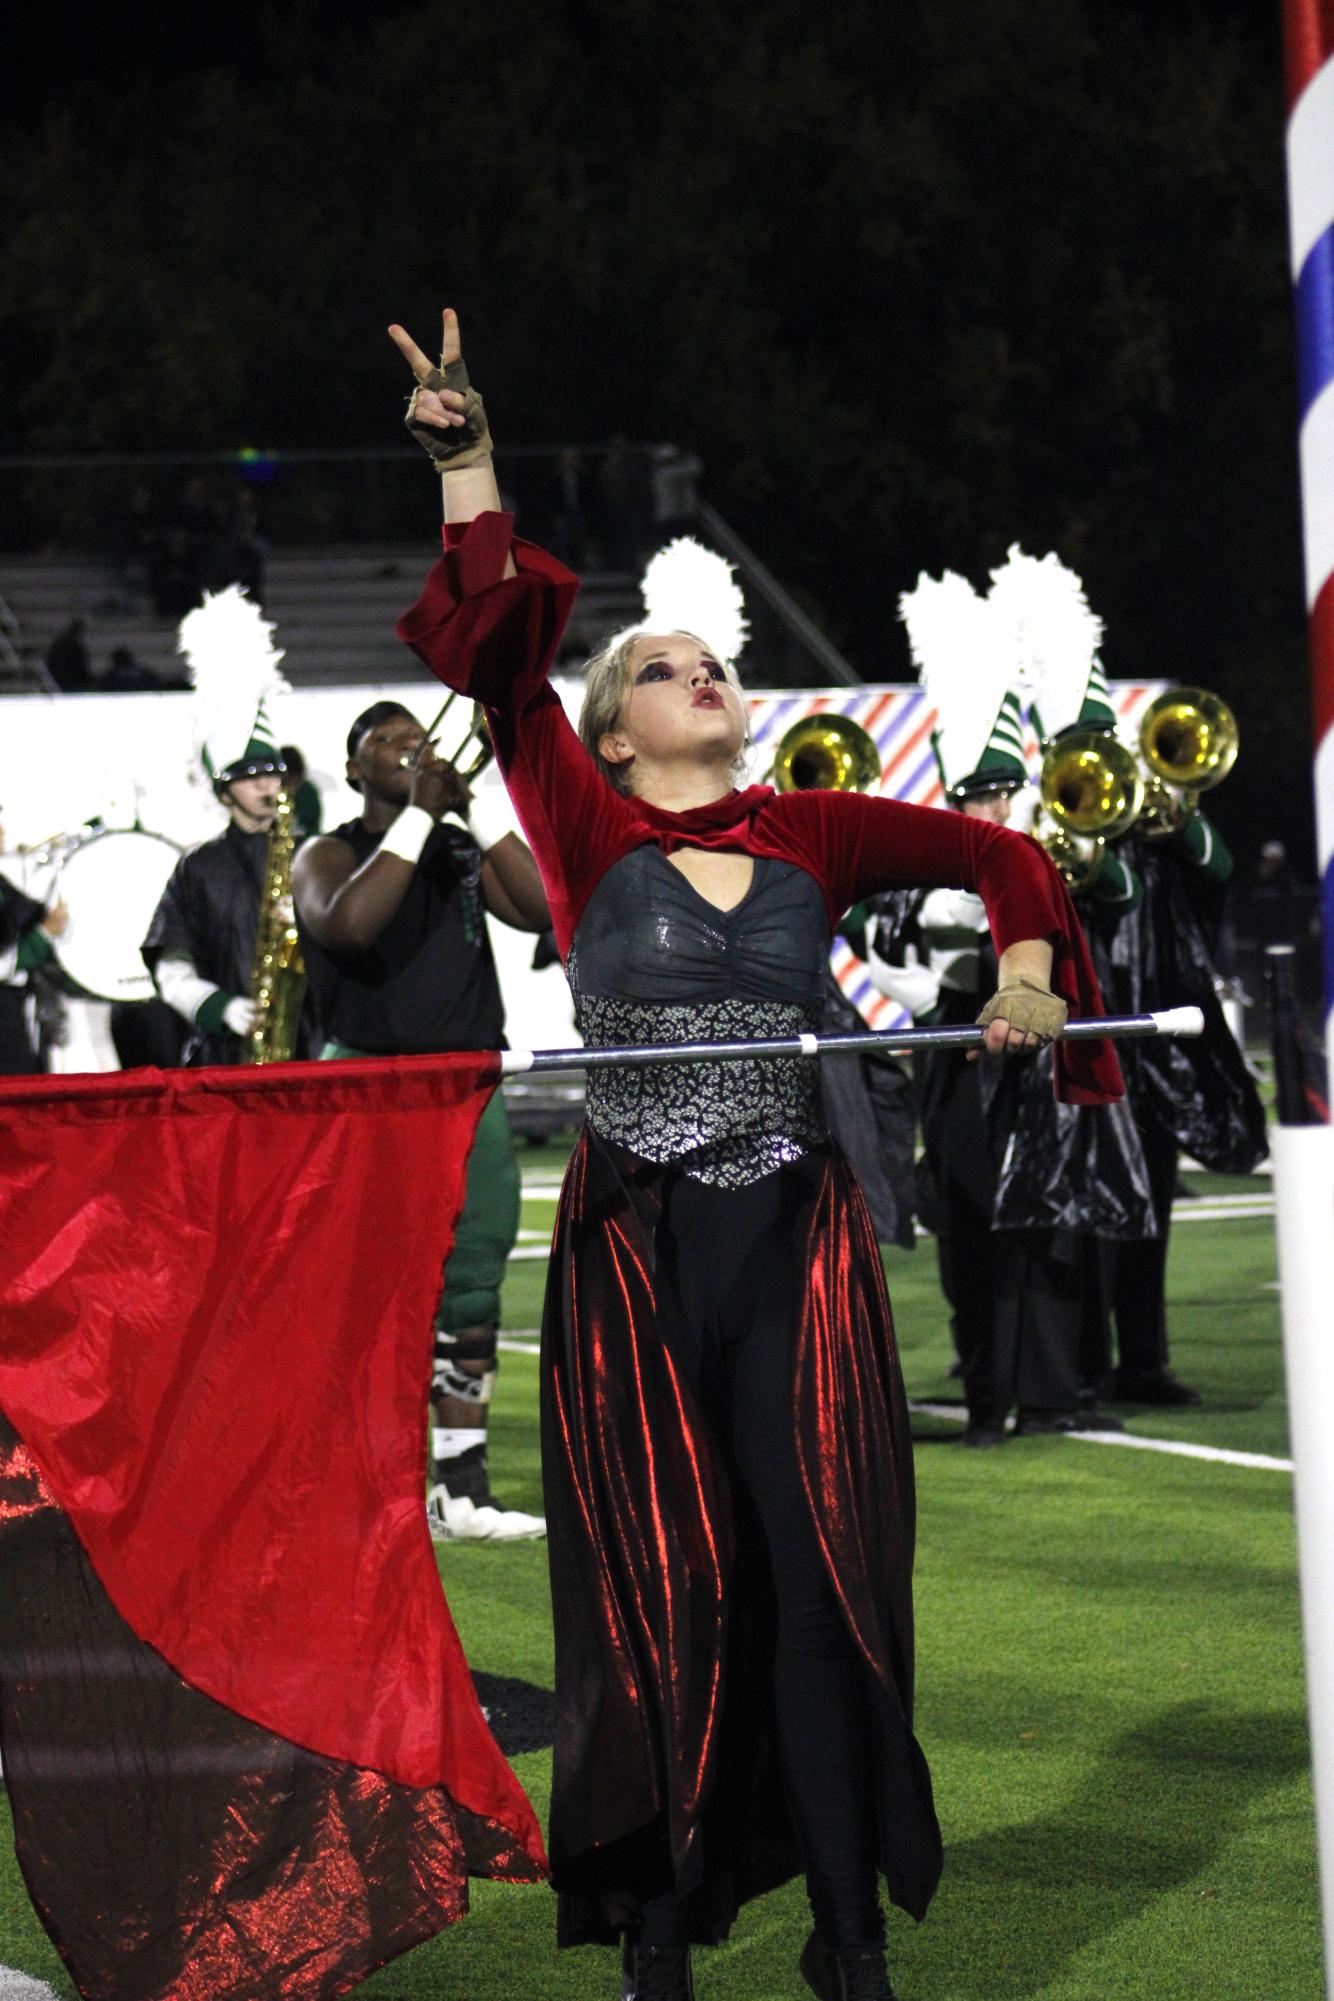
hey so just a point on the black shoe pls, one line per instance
(983, 1435)
(1045, 1423)
(1158, 1386)
(656, 1973)
(857, 1973)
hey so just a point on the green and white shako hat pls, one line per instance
(965, 663)
(1055, 637)
(233, 667)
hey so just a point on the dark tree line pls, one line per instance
(915, 281)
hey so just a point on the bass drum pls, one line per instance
(111, 882)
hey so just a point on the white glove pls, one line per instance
(952, 910)
(490, 816)
(239, 1015)
(911, 984)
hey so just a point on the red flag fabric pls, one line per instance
(216, 1293)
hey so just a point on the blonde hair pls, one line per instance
(606, 684)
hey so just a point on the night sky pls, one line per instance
(851, 282)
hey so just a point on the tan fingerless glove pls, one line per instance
(1026, 1005)
(462, 444)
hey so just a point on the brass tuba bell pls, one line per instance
(1090, 784)
(1189, 737)
(825, 753)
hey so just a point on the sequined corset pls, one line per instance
(654, 962)
(729, 1123)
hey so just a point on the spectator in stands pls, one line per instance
(240, 554)
(67, 660)
(569, 523)
(186, 551)
(675, 491)
(136, 537)
(173, 578)
(126, 675)
(1273, 898)
(624, 505)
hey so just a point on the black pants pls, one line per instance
(1016, 1295)
(724, 1312)
(1136, 1276)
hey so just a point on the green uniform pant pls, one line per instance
(488, 1225)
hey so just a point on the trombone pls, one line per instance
(477, 729)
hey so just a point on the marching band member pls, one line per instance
(1014, 1185)
(200, 946)
(726, 1454)
(392, 910)
(1145, 911)
(1200, 1098)
(28, 931)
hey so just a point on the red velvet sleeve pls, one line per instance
(494, 638)
(859, 846)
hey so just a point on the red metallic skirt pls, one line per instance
(667, 1776)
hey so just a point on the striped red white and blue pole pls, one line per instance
(1304, 1153)
(1309, 43)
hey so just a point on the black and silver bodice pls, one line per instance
(654, 961)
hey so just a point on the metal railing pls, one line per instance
(17, 674)
(170, 524)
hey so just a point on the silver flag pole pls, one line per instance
(896, 1041)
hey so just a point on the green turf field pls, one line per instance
(1110, 1690)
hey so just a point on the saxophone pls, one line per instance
(278, 972)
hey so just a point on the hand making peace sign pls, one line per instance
(445, 414)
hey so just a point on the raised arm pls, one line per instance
(345, 906)
(488, 622)
(446, 417)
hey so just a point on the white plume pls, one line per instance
(233, 666)
(1053, 633)
(965, 663)
(688, 588)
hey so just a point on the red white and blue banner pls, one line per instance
(899, 720)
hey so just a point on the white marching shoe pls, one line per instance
(454, 1518)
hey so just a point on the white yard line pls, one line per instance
(1201, 1212)
(526, 1341)
(1259, 1461)
(1176, 1448)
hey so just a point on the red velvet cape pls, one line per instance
(495, 638)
